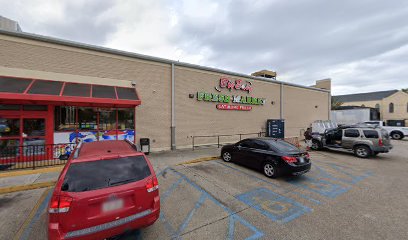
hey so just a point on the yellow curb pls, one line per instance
(26, 187)
(32, 213)
(31, 171)
(198, 160)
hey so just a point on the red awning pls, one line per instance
(36, 91)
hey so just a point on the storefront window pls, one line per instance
(112, 123)
(9, 127)
(65, 118)
(126, 118)
(9, 107)
(87, 119)
(8, 147)
(34, 127)
(35, 107)
(107, 119)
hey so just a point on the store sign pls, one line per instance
(215, 97)
(237, 84)
(233, 107)
(225, 99)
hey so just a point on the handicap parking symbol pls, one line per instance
(274, 206)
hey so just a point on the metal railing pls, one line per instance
(32, 156)
(216, 140)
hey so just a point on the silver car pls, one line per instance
(364, 141)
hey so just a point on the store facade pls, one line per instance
(37, 115)
(180, 100)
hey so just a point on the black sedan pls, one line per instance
(273, 157)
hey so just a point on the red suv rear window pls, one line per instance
(86, 176)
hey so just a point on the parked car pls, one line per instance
(105, 189)
(395, 132)
(363, 140)
(274, 157)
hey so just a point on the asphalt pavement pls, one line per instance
(342, 197)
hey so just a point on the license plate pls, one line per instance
(112, 205)
(301, 160)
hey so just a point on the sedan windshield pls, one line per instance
(99, 174)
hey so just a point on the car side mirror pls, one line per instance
(239, 147)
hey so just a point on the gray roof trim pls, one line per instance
(144, 57)
(369, 96)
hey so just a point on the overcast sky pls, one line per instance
(361, 45)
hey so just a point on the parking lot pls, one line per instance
(342, 197)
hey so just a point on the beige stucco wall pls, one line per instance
(21, 57)
(400, 100)
(195, 117)
(301, 107)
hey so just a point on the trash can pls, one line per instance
(145, 145)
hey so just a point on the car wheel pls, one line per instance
(269, 170)
(396, 135)
(315, 145)
(362, 151)
(226, 156)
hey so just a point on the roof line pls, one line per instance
(366, 93)
(53, 40)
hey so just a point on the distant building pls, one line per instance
(392, 104)
(265, 74)
(9, 25)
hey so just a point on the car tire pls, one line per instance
(396, 135)
(226, 156)
(362, 151)
(315, 145)
(269, 169)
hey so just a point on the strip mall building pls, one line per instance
(56, 91)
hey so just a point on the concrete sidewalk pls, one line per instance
(22, 180)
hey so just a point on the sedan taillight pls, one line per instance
(152, 184)
(289, 159)
(60, 204)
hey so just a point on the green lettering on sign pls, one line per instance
(227, 99)
(221, 98)
(207, 96)
(215, 97)
(200, 96)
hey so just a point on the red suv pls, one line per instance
(105, 189)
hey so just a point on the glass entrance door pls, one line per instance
(22, 136)
(33, 132)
